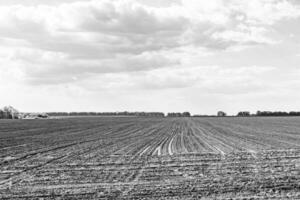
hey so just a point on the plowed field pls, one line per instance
(150, 158)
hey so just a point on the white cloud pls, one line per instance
(244, 35)
(208, 79)
(137, 45)
(267, 11)
(104, 29)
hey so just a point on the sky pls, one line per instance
(160, 55)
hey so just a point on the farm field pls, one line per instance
(150, 158)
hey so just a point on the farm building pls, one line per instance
(35, 116)
(8, 112)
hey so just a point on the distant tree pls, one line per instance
(243, 114)
(294, 113)
(58, 113)
(186, 114)
(1, 114)
(197, 115)
(277, 113)
(221, 114)
(125, 113)
(174, 114)
(178, 114)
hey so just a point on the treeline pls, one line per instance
(243, 114)
(8, 112)
(198, 115)
(258, 113)
(269, 113)
(178, 114)
(277, 113)
(125, 113)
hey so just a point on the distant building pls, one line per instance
(8, 112)
(35, 116)
(221, 114)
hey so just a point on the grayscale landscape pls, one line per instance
(149, 99)
(150, 158)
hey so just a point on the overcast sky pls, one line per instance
(140, 55)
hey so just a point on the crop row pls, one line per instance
(210, 175)
(150, 157)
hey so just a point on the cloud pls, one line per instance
(47, 67)
(203, 80)
(76, 40)
(244, 35)
(267, 11)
